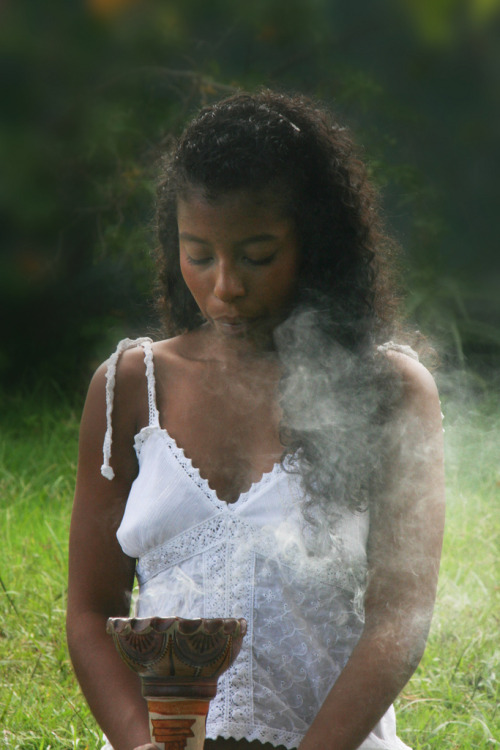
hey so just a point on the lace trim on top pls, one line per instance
(217, 530)
(145, 342)
(194, 473)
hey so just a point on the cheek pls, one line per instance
(288, 279)
(194, 282)
(187, 274)
(278, 289)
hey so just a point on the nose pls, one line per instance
(228, 284)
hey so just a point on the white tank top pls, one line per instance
(199, 556)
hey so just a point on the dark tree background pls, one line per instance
(91, 94)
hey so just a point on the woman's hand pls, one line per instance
(147, 746)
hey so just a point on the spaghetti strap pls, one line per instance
(403, 348)
(124, 344)
(154, 416)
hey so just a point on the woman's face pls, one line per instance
(239, 257)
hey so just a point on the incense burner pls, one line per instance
(179, 662)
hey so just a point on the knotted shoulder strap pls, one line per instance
(145, 342)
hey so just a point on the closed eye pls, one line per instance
(260, 261)
(197, 261)
(249, 261)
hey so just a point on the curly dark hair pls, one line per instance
(253, 142)
(345, 303)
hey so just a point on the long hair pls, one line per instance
(336, 392)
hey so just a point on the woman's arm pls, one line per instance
(100, 575)
(406, 529)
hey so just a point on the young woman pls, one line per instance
(274, 458)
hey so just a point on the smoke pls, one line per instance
(469, 579)
(340, 409)
(336, 407)
(179, 594)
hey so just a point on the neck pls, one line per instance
(235, 349)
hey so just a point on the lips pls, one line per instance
(231, 321)
(232, 326)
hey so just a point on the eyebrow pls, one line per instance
(192, 238)
(256, 238)
(253, 239)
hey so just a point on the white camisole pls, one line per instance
(199, 556)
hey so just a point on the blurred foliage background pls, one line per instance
(91, 94)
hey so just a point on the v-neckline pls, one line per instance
(194, 473)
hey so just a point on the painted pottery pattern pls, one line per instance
(177, 659)
(172, 647)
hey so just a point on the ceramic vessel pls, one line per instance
(179, 662)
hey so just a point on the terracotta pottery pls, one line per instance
(179, 662)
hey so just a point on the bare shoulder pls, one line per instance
(416, 378)
(170, 349)
(186, 346)
(118, 398)
(128, 388)
(420, 393)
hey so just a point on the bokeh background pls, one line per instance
(92, 93)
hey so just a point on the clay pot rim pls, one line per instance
(205, 625)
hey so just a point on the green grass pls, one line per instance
(40, 703)
(451, 702)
